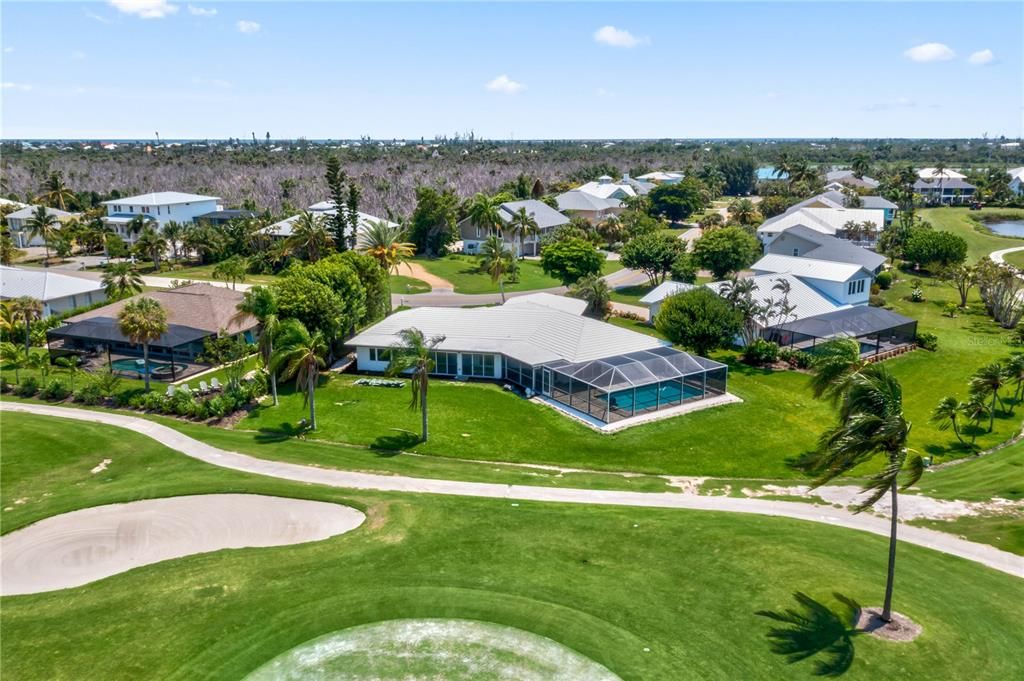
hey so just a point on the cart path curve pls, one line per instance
(932, 539)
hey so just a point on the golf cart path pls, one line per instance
(999, 257)
(939, 541)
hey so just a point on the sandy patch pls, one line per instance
(420, 649)
(901, 628)
(84, 546)
(100, 467)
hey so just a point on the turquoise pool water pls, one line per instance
(155, 368)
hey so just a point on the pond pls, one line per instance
(1007, 227)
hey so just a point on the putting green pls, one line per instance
(414, 649)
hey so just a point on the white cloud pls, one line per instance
(145, 9)
(201, 11)
(248, 26)
(505, 85)
(927, 52)
(617, 37)
(7, 85)
(981, 57)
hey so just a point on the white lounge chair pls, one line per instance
(215, 384)
(203, 388)
(185, 388)
(170, 391)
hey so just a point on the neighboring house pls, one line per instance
(837, 179)
(194, 313)
(58, 293)
(159, 208)
(657, 295)
(841, 282)
(17, 223)
(221, 217)
(830, 221)
(836, 199)
(606, 188)
(945, 190)
(283, 228)
(16, 204)
(663, 177)
(934, 174)
(803, 300)
(1017, 180)
(581, 365)
(547, 218)
(804, 242)
(592, 208)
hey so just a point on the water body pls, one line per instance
(1007, 228)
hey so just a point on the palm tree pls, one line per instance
(743, 211)
(143, 321)
(12, 356)
(945, 413)
(871, 423)
(1015, 375)
(70, 365)
(483, 212)
(174, 232)
(496, 260)
(121, 279)
(261, 302)
(311, 235)
(975, 410)
(152, 244)
(989, 380)
(40, 362)
(27, 309)
(300, 355)
(231, 270)
(523, 224)
(861, 164)
(8, 251)
(835, 363)
(414, 354)
(593, 289)
(138, 223)
(940, 171)
(385, 242)
(43, 224)
(55, 192)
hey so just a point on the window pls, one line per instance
(446, 363)
(380, 355)
(855, 287)
(478, 365)
(796, 252)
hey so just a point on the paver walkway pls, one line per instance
(939, 541)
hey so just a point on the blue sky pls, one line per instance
(127, 68)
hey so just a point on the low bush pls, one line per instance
(927, 341)
(90, 394)
(761, 352)
(54, 390)
(5, 387)
(27, 388)
(884, 280)
(798, 359)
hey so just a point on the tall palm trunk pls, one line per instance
(28, 336)
(956, 430)
(145, 363)
(891, 576)
(423, 409)
(273, 374)
(501, 288)
(312, 404)
(992, 411)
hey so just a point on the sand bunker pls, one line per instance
(420, 649)
(83, 546)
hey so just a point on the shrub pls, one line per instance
(877, 301)
(89, 394)
(917, 295)
(761, 352)
(54, 390)
(27, 388)
(5, 386)
(797, 359)
(927, 341)
(699, 319)
(884, 280)
(950, 310)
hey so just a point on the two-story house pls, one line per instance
(157, 208)
(546, 217)
(18, 224)
(841, 282)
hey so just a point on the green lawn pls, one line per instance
(464, 273)
(650, 594)
(965, 222)
(1016, 259)
(631, 294)
(401, 284)
(205, 272)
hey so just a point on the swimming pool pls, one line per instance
(138, 366)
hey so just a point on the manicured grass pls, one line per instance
(650, 594)
(1016, 259)
(1000, 474)
(205, 272)
(631, 294)
(56, 372)
(464, 273)
(966, 343)
(965, 222)
(480, 421)
(401, 284)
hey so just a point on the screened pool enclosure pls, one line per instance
(620, 387)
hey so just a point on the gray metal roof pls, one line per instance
(635, 369)
(105, 330)
(546, 216)
(851, 322)
(837, 250)
(947, 183)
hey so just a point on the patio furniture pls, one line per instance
(215, 384)
(185, 388)
(203, 387)
(170, 391)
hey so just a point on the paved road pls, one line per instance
(946, 543)
(1000, 256)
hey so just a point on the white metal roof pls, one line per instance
(284, 227)
(809, 268)
(824, 220)
(527, 332)
(578, 200)
(27, 212)
(662, 176)
(160, 199)
(806, 301)
(606, 189)
(42, 284)
(563, 303)
(664, 290)
(933, 173)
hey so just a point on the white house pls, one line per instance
(803, 242)
(159, 208)
(836, 199)
(57, 292)
(934, 174)
(663, 177)
(594, 370)
(844, 283)
(657, 295)
(606, 188)
(838, 179)
(592, 208)
(283, 228)
(17, 223)
(830, 221)
(1017, 180)
(547, 218)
